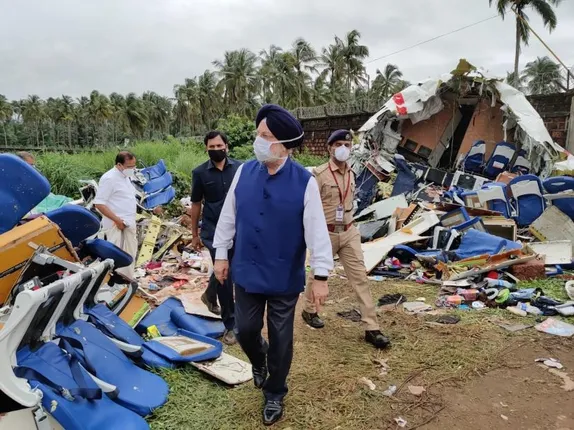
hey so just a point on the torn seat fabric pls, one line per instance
(138, 389)
(76, 412)
(21, 189)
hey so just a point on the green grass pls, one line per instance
(64, 171)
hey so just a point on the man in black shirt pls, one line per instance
(210, 184)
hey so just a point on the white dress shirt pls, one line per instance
(117, 192)
(316, 233)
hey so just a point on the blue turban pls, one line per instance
(282, 124)
(339, 135)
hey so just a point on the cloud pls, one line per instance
(72, 47)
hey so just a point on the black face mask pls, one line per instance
(217, 155)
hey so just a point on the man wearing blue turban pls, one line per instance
(273, 213)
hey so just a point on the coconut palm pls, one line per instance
(544, 8)
(33, 114)
(388, 82)
(333, 64)
(304, 62)
(238, 79)
(209, 98)
(353, 54)
(6, 113)
(544, 76)
(515, 81)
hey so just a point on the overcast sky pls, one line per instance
(55, 47)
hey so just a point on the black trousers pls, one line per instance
(250, 309)
(223, 291)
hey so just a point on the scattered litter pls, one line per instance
(389, 392)
(504, 405)
(368, 383)
(384, 366)
(416, 390)
(556, 327)
(478, 305)
(391, 299)
(504, 417)
(416, 307)
(421, 299)
(550, 362)
(352, 315)
(401, 422)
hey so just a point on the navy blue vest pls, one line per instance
(270, 247)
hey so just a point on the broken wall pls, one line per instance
(486, 124)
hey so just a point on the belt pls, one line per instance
(338, 228)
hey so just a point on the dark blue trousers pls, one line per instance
(249, 312)
(223, 291)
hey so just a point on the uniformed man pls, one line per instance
(337, 185)
(273, 214)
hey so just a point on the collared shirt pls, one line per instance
(210, 186)
(332, 183)
(316, 234)
(117, 192)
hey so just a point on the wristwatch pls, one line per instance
(320, 278)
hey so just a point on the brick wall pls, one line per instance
(554, 110)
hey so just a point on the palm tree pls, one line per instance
(238, 79)
(208, 98)
(135, 115)
(6, 113)
(158, 112)
(388, 82)
(67, 107)
(269, 73)
(544, 76)
(33, 113)
(515, 81)
(304, 62)
(333, 64)
(100, 111)
(353, 56)
(542, 7)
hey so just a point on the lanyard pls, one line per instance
(342, 196)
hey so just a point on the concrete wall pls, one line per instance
(554, 109)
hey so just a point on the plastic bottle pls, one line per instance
(516, 311)
(526, 307)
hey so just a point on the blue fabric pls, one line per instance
(519, 169)
(21, 189)
(339, 135)
(79, 414)
(154, 354)
(270, 247)
(365, 191)
(138, 389)
(153, 172)
(498, 205)
(158, 199)
(405, 180)
(560, 184)
(529, 206)
(490, 170)
(474, 162)
(475, 242)
(102, 249)
(171, 316)
(158, 184)
(282, 124)
(76, 222)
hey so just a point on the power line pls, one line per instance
(433, 39)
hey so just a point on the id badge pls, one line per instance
(339, 213)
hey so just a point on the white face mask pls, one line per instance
(342, 153)
(129, 173)
(262, 149)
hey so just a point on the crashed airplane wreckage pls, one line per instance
(458, 186)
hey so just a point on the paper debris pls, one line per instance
(401, 422)
(383, 365)
(416, 390)
(555, 327)
(416, 307)
(504, 417)
(550, 362)
(367, 382)
(390, 391)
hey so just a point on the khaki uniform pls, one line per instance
(345, 239)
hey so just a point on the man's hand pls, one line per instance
(196, 243)
(120, 224)
(221, 269)
(320, 292)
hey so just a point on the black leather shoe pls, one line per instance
(313, 320)
(377, 339)
(272, 412)
(259, 376)
(212, 307)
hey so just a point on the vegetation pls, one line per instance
(64, 171)
(544, 8)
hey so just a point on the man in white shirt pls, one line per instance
(271, 215)
(116, 201)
